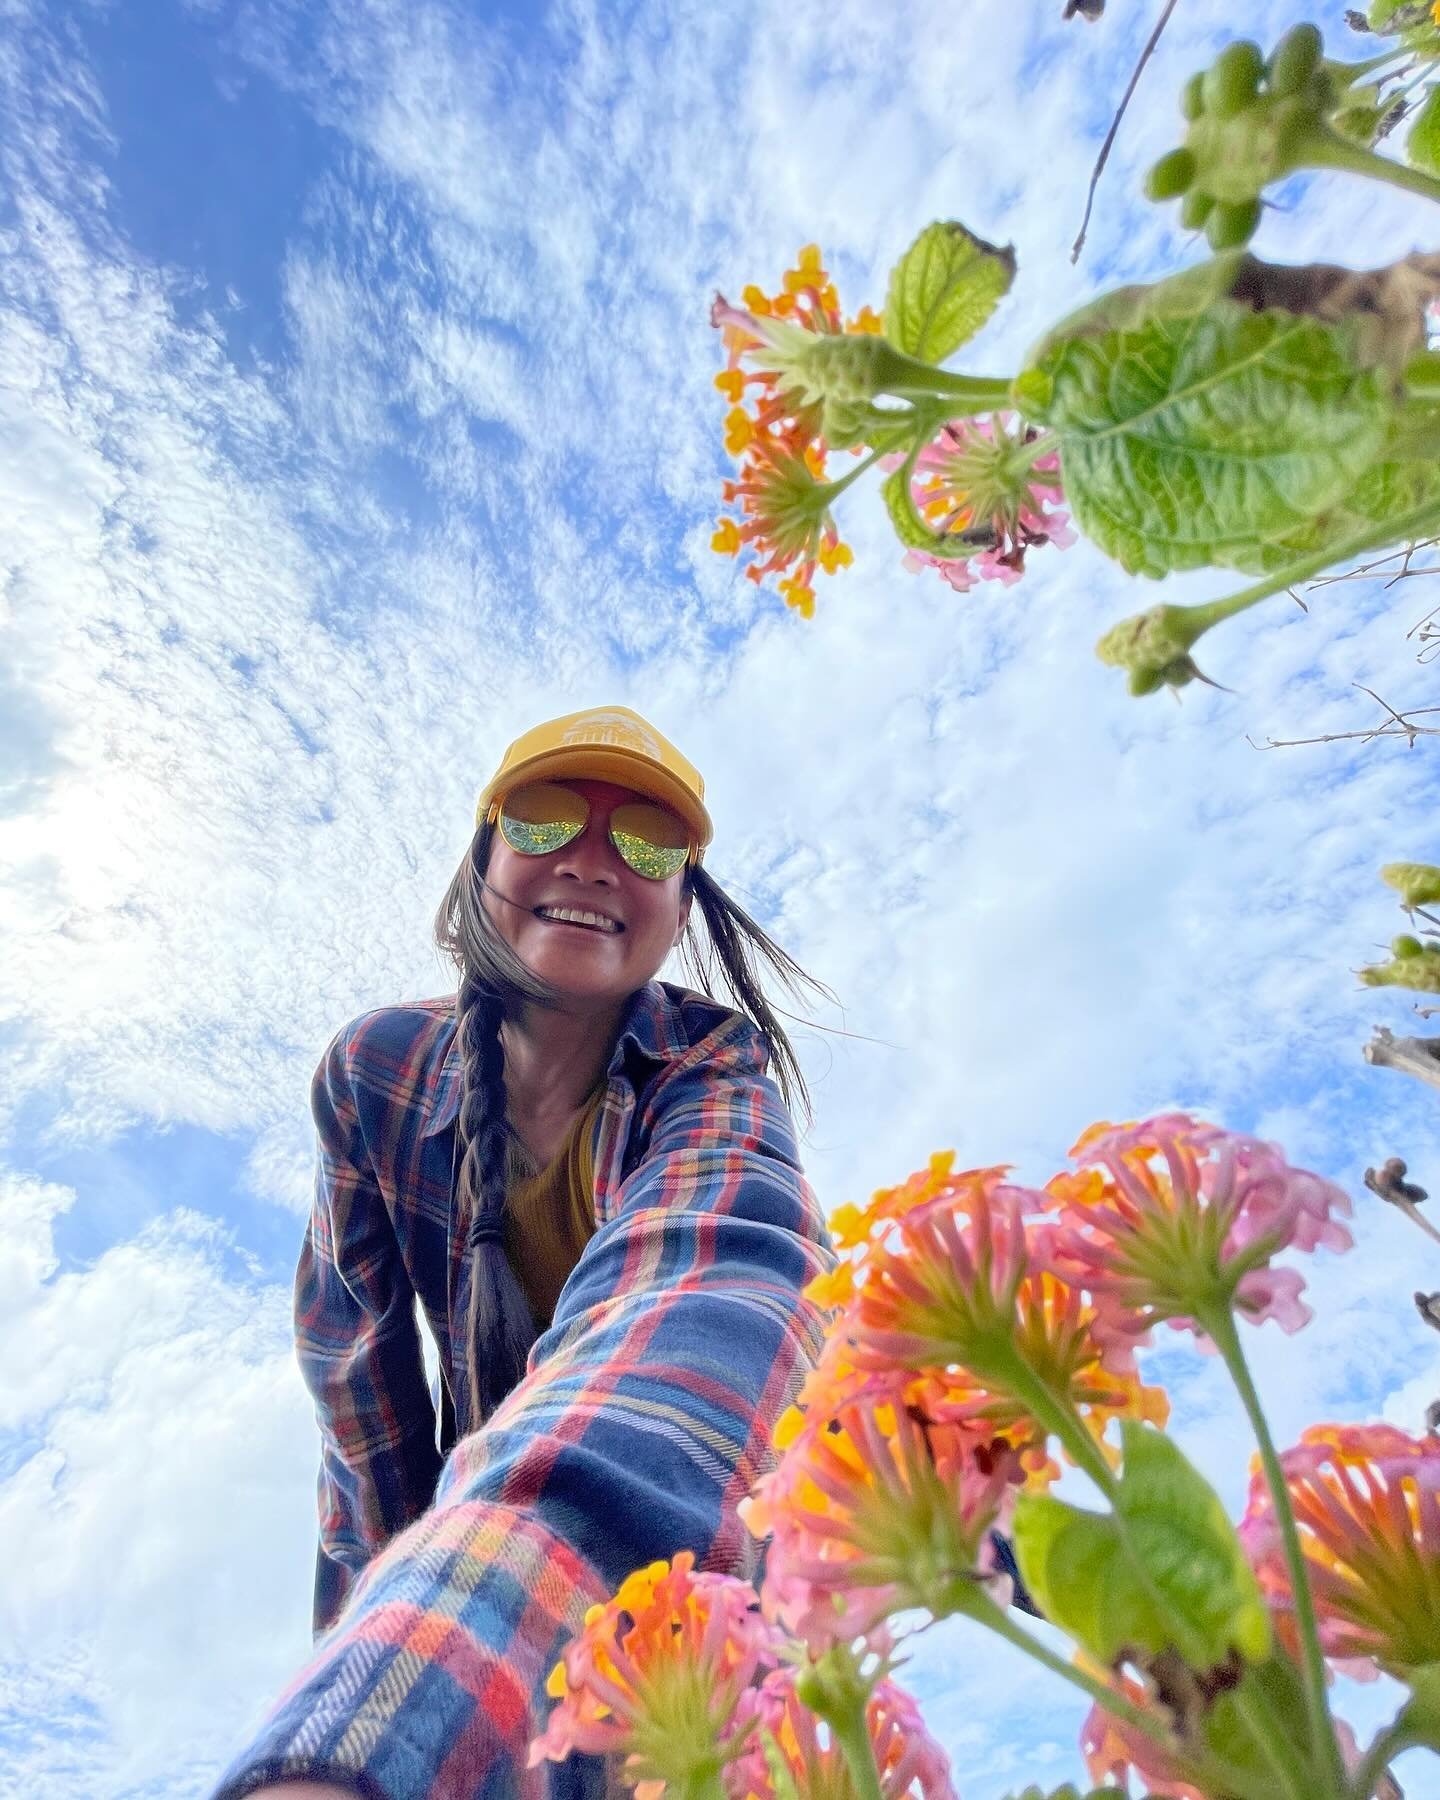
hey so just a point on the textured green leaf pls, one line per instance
(1418, 884)
(1198, 1593)
(1423, 144)
(1383, 492)
(1191, 442)
(1233, 1727)
(943, 289)
(1233, 414)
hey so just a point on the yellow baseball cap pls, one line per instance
(608, 743)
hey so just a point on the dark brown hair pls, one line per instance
(493, 982)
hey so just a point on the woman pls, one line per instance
(590, 1183)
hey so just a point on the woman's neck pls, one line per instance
(553, 1059)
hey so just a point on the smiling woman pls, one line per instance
(589, 1182)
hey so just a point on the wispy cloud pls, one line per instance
(290, 556)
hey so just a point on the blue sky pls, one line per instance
(357, 412)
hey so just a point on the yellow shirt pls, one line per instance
(550, 1212)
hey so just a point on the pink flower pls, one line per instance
(981, 483)
(875, 1511)
(908, 1759)
(1367, 1503)
(657, 1674)
(958, 1295)
(1172, 1216)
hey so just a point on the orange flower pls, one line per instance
(782, 491)
(1171, 1216)
(907, 1758)
(956, 1295)
(1367, 1502)
(874, 1510)
(656, 1675)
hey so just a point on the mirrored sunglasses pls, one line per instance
(542, 818)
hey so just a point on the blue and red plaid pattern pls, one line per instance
(644, 1418)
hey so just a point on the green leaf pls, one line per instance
(1418, 884)
(943, 289)
(1234, 1728)
(1423, 144)
(1230, 415)
(1194, 1591)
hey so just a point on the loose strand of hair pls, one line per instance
(736, 941)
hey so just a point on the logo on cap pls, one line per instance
(614, 730)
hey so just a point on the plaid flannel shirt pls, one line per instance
(643, 1419)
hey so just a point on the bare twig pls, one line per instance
(1411, 1055)
(1105, 148)
(1373, 567)
(1392, 1187)
(1397, 724)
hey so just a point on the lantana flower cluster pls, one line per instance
(983, 1334)
(985, 492)
(986, 488)
(780, 497)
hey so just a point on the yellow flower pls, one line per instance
(731, 383)
(835, 556)
(739, 430)
(726, 539)
(867, 319)
(801, 596)
(807, 273)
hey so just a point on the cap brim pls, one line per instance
(594, 762)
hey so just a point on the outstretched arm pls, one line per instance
(646, 1415)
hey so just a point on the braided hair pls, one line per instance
(494, 983)
(499, 1326)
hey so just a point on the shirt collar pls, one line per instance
(652, 1034)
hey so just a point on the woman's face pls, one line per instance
(592, 964)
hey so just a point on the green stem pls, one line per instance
(1326, 149)
(984, 1611)
(1397, 1737)
(852, 1734)
(1062, 1420)
(704, 1785)
(964, 394)
(839, 487)
(1220, 1324)
(1414, 523)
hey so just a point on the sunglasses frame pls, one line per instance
(692, 854)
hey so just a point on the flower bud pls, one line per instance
(1171, 176)
(1154, 647)
(1233, 79)
(1296, 58)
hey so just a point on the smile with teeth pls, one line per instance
(574, 915)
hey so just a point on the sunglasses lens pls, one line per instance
(542, 818)
(653, 841)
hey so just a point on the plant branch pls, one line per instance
(1398, 724)
(1411, 1055)
(1219, 1322)
(1105, 148)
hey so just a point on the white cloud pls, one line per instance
(267, 626)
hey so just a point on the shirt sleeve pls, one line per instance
(359, 1353)
(645, 1417)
